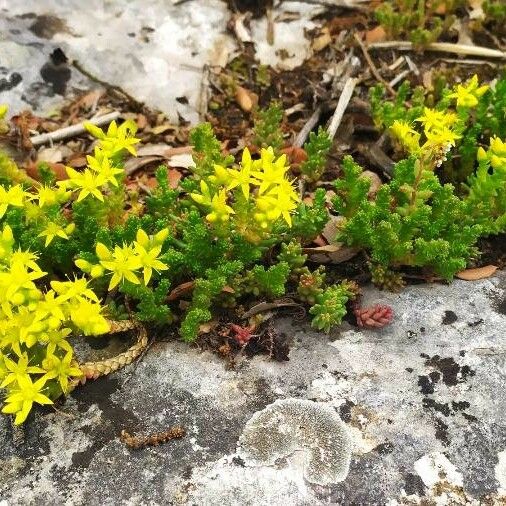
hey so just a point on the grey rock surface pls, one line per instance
(423, 402)
(156, 51)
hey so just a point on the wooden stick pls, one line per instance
(306, 129)
(346, 4)
(399, 77)
(73, 130)
(203, 103)
(342, 104)
(442, 47)
(373, 68)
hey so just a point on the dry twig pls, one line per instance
(342, 104)
(442, 47)
(346, 4)
(73, 130)
(373, 68)
(399, 77)
(308, 127)
(204, 93)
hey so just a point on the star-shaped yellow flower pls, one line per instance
(88, 182)
(468, 95)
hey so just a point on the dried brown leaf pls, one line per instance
(77, 161)
(162, 150)
(174, 176)
(134, 164)
(332, 227)
(375, 182)
(377, 34)
(160, 129)
(322, 40)
(331, 254)
(54, 154)
(477, 273)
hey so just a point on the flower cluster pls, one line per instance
(102, 169)
(438, 131)
(496, 154)
(468, 95)
(257, 188)
(43, 202)
(124, 262)
(441, 128)
(36, 360)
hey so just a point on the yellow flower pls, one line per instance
(19, 369)
(160, 237)
(148, 255)
(149, 261)
(123, 263)
(204, 197)
(434, 120)
(468, 95)
(6, 242)
(443, 139)
(21, 399)
(87, 316)
(87, 181)
(221, 175)
(271, 171)
(408, 137)
(14, 196)
(51, 308)
(73, 290)
(496, 153)
(61, 369)
(26, 258)
(243, 177)
(94, 270)
(101, 164)
(53, 230)
(286, 187)
(47, 196)
(9, 336)
(220, 211)
(117, 137)
(57, 339)
(18, 277)
(279, 204)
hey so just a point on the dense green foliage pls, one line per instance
(317, 149)
(417, 219)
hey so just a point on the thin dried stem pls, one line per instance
(342, 104)
(308, 127)
(442, 47)
(373, 68)
(73, 130)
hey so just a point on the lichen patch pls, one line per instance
(292, 425)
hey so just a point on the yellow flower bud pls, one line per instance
(160, 237)
(70, 228)
(97, 271)
(83, 265)
(481, 156)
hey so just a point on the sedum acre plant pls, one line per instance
(77, 254)
(36, 360)
(416, 219)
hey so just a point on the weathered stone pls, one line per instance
(402, 433)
